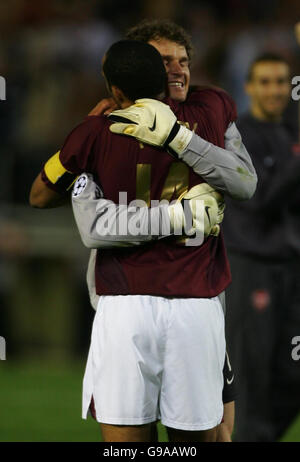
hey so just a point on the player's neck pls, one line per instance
(120, 98)
(259, 114)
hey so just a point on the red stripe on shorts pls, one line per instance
(92, 408)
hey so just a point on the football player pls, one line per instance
(114, 174)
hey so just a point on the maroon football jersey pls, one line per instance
(122, 164)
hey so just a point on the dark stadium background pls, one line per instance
(50, 56)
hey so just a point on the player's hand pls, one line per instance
(204, 216)
(104, 107)
(151, 122)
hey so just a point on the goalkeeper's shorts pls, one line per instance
(155, 358)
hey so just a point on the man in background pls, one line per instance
(263, 237)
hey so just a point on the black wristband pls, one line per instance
(172, 134)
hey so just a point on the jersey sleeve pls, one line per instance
(75, 157)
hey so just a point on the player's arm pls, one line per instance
(284, 190)
(53, 184)
(229, 170)
(104, 106)
(42, 197)
(102, 223)
(280, 187)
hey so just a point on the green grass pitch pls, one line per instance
(42, 402)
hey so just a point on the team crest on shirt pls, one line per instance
(260, 299)
(80, 185)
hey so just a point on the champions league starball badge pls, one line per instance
(80, 185)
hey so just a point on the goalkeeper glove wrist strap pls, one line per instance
(178, 140)
(173, 133)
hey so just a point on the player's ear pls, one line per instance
(108, 87)
(119, 96)
(116, 92)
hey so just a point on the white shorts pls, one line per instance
(155, 358)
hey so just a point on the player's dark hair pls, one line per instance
(136, 68)
(265, 57)
(158, 29)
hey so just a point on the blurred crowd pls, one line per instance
(50, 56)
